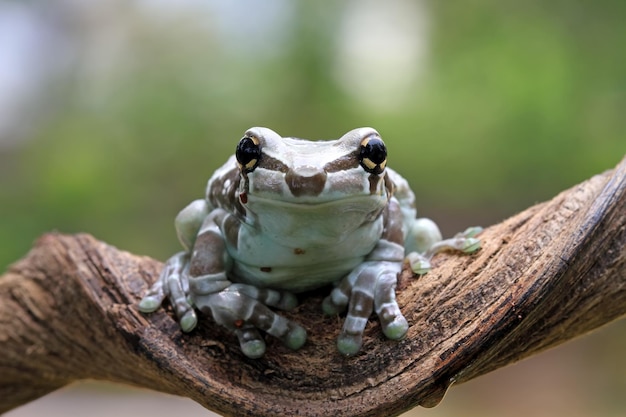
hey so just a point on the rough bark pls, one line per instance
(553, 272)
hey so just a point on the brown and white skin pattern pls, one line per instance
(287, 215)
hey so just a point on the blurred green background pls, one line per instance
(114, 114)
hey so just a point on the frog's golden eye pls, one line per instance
(248, 153)
(373, 155)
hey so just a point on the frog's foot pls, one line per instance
(420, 264)
(244, 309)
(465, 242)
(173, 284)
(370, 287)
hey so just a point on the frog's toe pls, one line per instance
(330, 308)
(153, 298)
(471, 245)
(337, 301)
(420, 265)
(349, 344)
(351, 337)
(295, 338)
(250, 341)
(291, 334)
(149, 303)
(396, 329)
(253, 349)
(188, 321)
(392, 321)
(288, 301)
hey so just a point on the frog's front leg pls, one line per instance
(371, 287)
(199, 279)
(424, 241)
(173, 283)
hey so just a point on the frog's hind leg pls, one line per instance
(424, 241)
(283, 300)
(464, 242)
(237, 308)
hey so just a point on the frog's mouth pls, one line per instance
(365, 202)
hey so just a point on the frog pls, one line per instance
(285, 216)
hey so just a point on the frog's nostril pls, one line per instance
(305, 181)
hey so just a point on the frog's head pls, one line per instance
(329, 188)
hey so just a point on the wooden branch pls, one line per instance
(553, 272)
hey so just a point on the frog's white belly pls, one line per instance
(293, 278)
(262, 262)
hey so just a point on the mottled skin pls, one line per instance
(286, 215)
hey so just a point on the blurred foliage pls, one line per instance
(518, 101)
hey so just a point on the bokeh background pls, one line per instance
(113, 114)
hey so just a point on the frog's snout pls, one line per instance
(306, 181)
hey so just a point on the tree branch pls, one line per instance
(553, 272)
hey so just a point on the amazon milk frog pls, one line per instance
(287, 215)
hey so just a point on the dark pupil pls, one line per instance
(376, 152)
(247, 152)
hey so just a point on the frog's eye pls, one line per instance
(248, 153)
(373, 155)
